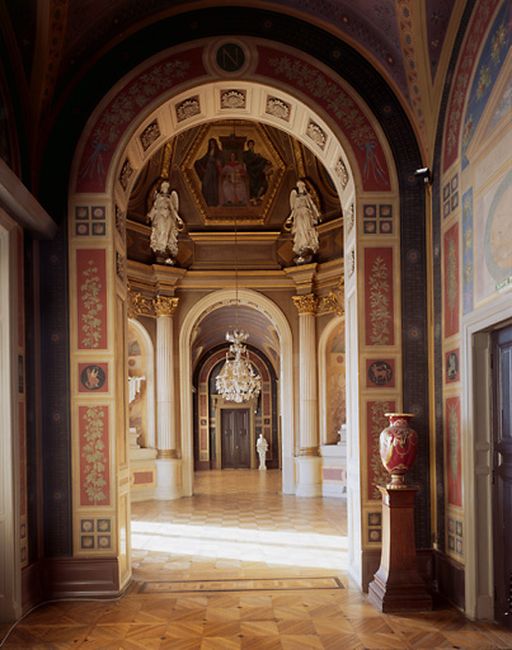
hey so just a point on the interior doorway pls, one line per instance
(236, 439)
(501, 441)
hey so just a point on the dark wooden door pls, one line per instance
(502, 473)
(236, 451)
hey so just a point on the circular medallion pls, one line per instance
(230, 57)
(380, 373)
(92, 377)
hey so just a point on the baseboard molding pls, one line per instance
(70, 577)
(450, 579)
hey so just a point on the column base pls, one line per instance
(309, 476)
(168, 479)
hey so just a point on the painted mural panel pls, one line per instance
(343, 109)
(493, 238)
(375, 422)
(487, 70)
(91, 297)
(335, 378)
(378, 274)
(451, 281)
(467, 251)
(476, 32)
(134, 95)
(94, 456)
(453, 451)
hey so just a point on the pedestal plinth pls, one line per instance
(397, 585)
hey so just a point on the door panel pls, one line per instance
(502, 473)
(236, 451)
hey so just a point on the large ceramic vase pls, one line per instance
(397, 445)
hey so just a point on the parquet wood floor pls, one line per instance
(236, 529)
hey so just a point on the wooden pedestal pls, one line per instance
(397, 585)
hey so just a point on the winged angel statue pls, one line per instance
(302, 222)
(166, 224)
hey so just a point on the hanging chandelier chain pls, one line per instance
(238, 380)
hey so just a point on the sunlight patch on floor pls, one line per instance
(287, 548)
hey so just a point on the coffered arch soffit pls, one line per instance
(177, 90)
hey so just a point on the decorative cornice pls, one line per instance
(306, 304)
(139, 305)
(165, 305)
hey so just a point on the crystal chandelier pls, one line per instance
(238, 381)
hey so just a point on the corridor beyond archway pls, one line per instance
(238, 525)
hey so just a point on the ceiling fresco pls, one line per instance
(267, 163)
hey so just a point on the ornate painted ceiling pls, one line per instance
(409, 42)
(270, 163)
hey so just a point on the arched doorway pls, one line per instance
(361, 174)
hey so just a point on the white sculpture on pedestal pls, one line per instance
(302, 222)
(262, 448)
(166, 224)
(134, 387)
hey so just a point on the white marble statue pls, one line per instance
(134, 387)
(302, 222)
(166, 223)
(262, 448)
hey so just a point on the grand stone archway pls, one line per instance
(364, 174)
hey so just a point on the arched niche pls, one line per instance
(141, 363)
(332, 380)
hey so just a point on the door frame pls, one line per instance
(10, 560)
(476, 453)
(221, 405)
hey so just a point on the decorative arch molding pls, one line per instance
(122, 133)
(194, 316)
(97, 242)
(150, 379)
(336, 321)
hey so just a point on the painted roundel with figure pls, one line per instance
(498, 232)
(93, 377)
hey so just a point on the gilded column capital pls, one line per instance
(332, 302)
(165, 305)
(139, 305)
(306, 304)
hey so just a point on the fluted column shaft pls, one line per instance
(308, 394)
(165, 390)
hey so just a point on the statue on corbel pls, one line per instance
(166, 224)
(302, 222)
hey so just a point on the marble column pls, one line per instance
(168, 466)
(308, 461)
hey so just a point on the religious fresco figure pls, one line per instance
(233, 182)
(258, 170)
(302, 222)
(208, 169)
(166, 224)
